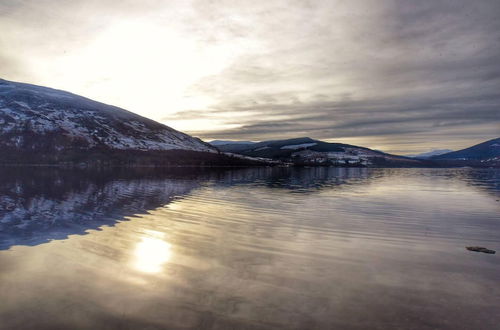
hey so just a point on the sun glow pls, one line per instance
(196, 125)
(140, 66)
(151, 253)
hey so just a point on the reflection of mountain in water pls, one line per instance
(42, 205)
(299, 179)
(38, 205)
(485, 179)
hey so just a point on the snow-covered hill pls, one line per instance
(307, 151)
(35, 118)
(485, 151)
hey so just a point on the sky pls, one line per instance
(399, 76)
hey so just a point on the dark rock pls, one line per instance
(480, 249)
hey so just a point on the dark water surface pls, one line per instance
(261, 248)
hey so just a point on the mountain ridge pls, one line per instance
(485, 153)
(41, 125)
(304, 149)
(308, 151)
(45, 110)
(483, 150)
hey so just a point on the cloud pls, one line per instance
(385, 74)
(400, 69)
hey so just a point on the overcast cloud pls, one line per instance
(400, 76)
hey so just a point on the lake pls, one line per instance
(261, 248)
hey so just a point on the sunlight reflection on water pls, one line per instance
(318, 248)
(152, 253)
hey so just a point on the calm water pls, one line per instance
(249, 249)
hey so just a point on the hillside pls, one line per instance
(49, 126)
(307, 151)
(482, 151)
(485, 154)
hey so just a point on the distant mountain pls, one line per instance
(429, 154)
(226, 142)
(484, 152)
(307, 151)
(45, 125)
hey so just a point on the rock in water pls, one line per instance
(480, 249)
